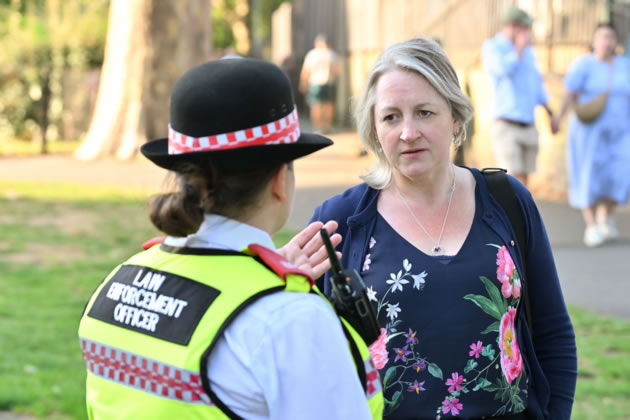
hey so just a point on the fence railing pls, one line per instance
(557, 23)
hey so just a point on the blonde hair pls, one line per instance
(426, 58)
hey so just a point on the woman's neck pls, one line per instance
(432, 188)
(263, 220)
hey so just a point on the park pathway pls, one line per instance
(596, 279)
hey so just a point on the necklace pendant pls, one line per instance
(438, 250)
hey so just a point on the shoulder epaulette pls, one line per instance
(277, 263)
(153, 241)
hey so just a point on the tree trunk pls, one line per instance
(180, 39)
(256, 27)
(150, 43)
(45, 107)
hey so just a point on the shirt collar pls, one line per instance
(220, 232)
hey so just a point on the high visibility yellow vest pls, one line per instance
(147, 330)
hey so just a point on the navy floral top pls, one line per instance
(448, 347)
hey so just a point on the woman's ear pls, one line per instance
(457, 127)
(279, 183)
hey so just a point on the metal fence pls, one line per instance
(620, 18)
(567, 21)
(356, 26)
(465, 24)
(360, 29)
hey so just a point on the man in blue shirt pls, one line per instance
(518, 88)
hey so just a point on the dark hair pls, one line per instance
(207, 189)
(608, 25)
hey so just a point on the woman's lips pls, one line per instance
(413, 151)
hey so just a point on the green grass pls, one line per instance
(57, 191)
(58, 241)
(16, 147)
(52, 256)
(603, 390)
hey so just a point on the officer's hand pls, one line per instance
(306, 250)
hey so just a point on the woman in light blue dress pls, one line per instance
(598, 152)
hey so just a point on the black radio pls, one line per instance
(349, 296)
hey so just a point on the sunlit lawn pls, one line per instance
(58, 241)
(16, 147)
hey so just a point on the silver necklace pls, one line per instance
(437, 249)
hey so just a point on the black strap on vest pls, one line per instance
(205, 381)
(354, 350)
(356, 355)
(502, 191)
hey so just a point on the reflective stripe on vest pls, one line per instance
(134, 373)
(144, 374)
(163, 380)
(374, 386)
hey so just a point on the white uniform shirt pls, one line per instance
(285, 356)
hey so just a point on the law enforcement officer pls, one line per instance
(213, 322)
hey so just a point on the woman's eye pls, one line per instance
(424, 113)
(389, 117)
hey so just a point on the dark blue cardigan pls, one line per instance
(550, 356)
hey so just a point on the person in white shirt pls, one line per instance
(281, 354)
(318, 80)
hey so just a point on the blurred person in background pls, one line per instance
(290, 65)
(598, 152)
(318, 81)
(441, 263)
(214, 322)
(518, 88)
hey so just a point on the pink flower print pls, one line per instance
(454, 406)
(517, 286)
(366, 263)
(417, 387)
(372, 242)
(401, 354)
(378, 350)
(476, 349)
(505, 265)
(411, 337)
(455, 382)
(420, 365)
(505, 270)
(511, 361)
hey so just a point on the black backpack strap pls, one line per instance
(501, 189)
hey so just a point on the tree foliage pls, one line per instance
(49, 46)
(244, 25)
(41, 42)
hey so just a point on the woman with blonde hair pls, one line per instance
(442, 263)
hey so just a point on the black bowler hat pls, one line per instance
(234, 113)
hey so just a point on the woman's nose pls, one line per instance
(409, 132)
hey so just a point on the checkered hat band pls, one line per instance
(144, 374)
(286, 130)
